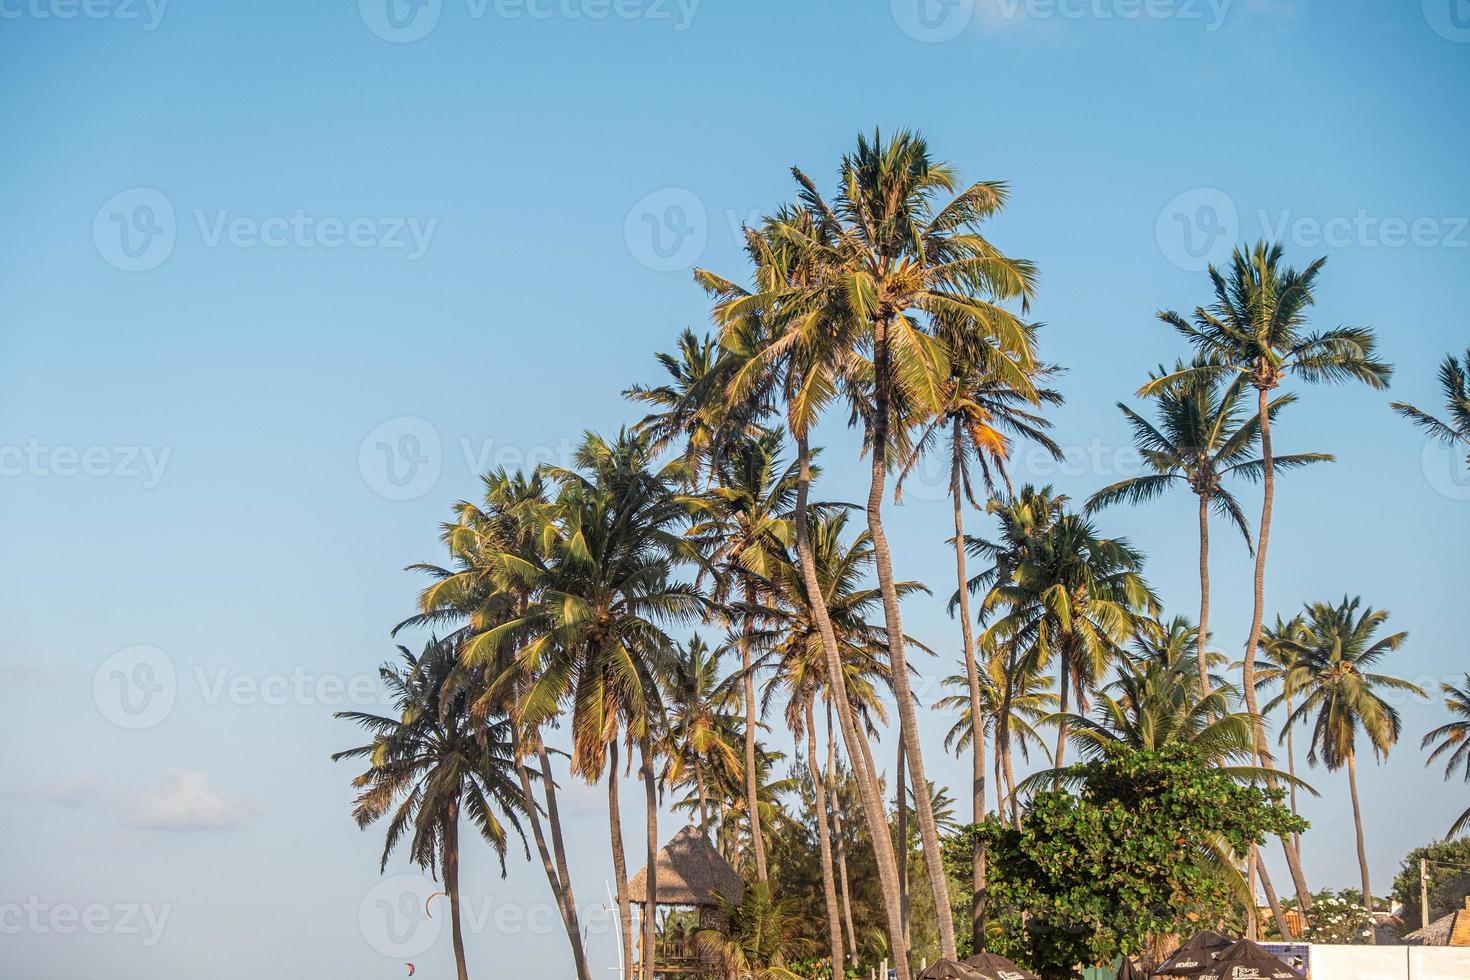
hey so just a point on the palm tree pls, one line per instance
(746, 528)
(919, 280)
(794, 345)
(983, 414)
(1454, 736)
(429, 765)
(1028, 703)
(1069, 594)
(1456, 388)
(762, 940)
(1200, 439)
(1256, 327)
(495, 552)
(1334, 651)
(700, 706)
(1175, 644)
(595, 633)
(687, 407)
(1277, 657)
(793, 641)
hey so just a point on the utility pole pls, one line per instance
(1423, 893)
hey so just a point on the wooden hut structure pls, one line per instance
(690, 874)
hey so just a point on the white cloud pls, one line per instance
(184, 800)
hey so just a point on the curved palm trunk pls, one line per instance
(1000, 803)
(556, 876)
(1252, 912)
(901, 838)
(451, 885)
(703, 798)
(1204, 595)
(1352, 768)
(972, 678)
(1064, 684)
(1003, 736)
(1277, 912)
(1253, 640)
(650, 907)
(1296, 838)
(873, 811)
(757, 840)
(898, 660)
(829, 886)
(620, 864)
(837, 833)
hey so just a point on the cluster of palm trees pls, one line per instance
(558, 614)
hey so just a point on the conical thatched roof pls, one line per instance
(690, 872)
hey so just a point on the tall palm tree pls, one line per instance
(1068, 593)
(1174, 644)
(1335, 652)
(918, 279)
(495, 552)
(793, 645)
(1257, 327)
(983, 414)
(1454, 738)
(594, 635)
(429, 766)
(1022, 709)
(763, 937)
(1203, 436)
(699, 706)
(794, 346)
(1277, 657)
(1454, 383)
(746, 528)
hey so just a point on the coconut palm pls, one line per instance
(1175, 644)
(1203, 435)
(983, 415)
(1454, 738)
(1454, 385)
(594, 635)
(1257, 327)
(1068, 594)
(432, 764)
(795, 346)
(1031, 700)
(793, 645)
(763, 937)
(688, 410)
(1277, 657)
(746, 528)
(1334, 652)
(495, 565)
(919, 280)
(700, 707)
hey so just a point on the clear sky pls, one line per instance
(280, 277)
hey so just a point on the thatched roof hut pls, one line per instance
(690, 872)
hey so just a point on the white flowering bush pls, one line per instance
(1338, 921)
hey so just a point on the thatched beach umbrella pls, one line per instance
(1247, 961)
(1196, 955)
(943, 969)
(993, 966)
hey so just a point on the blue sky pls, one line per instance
(279, 278)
